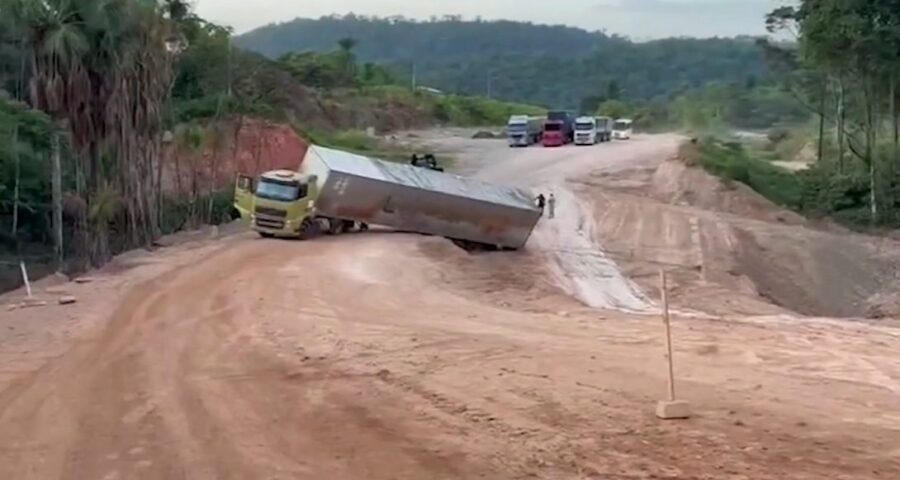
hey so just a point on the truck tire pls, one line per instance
(307, 229)
(335, 227)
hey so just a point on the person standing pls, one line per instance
(551, 206)
(541, 200)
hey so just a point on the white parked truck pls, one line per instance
(622, 129)
(586, 131)
(522, 130)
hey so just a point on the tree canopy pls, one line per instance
(555, 66)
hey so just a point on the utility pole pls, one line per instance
(228, 68)
(414, 86)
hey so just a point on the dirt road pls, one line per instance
(389, 356)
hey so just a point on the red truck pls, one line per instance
(554, 133)
(558, 129)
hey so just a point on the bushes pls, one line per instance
(732, 162)
(819, 191)
(352, 140)
(478, 111)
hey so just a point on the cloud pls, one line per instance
(699, 18)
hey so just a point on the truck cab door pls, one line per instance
(243, 196)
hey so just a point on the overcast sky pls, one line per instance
(639, 19)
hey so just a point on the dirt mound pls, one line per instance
(350, 110)
(730, 249)
(247, 146)
(484, 134)
(883, 305)
(676, 183)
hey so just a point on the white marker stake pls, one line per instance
(664, 287)
(25, 278)
(671, 409)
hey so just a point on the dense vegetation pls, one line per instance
(844, 68)
(715, 107)
(554, 66)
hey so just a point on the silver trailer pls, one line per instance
(604, 128)
(411, 199)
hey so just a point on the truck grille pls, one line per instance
(269, 223)
(271, 212)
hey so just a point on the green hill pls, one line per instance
(555, 66)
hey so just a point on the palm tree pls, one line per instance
(346, 46)
(102, 68)
(54, 44)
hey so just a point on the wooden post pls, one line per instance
(25, 278)
(670, 409)
(664, 289)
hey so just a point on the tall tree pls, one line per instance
(104, 68)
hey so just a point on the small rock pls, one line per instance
(484, 134)
(32, 302)
(84, 280)
(67, 300)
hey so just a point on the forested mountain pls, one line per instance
(555, 66)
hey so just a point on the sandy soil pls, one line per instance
(389, 356)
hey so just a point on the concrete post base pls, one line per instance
(678, 409)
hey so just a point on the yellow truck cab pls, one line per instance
(279, 204)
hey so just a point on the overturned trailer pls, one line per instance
(356, 188)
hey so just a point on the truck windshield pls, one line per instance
(552, 127)
(281, 191)
(516, 127)
(622, 126)
(584, 127)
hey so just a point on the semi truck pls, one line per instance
(586, 131)
(334, 191)
(522, 130)
(559, 129)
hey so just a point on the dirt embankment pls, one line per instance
(241, 145)
(730, 249)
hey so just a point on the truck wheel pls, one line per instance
(335, 227)
(307, 230)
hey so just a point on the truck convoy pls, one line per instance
(522, 130)
(334, 191)
(560, 128)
